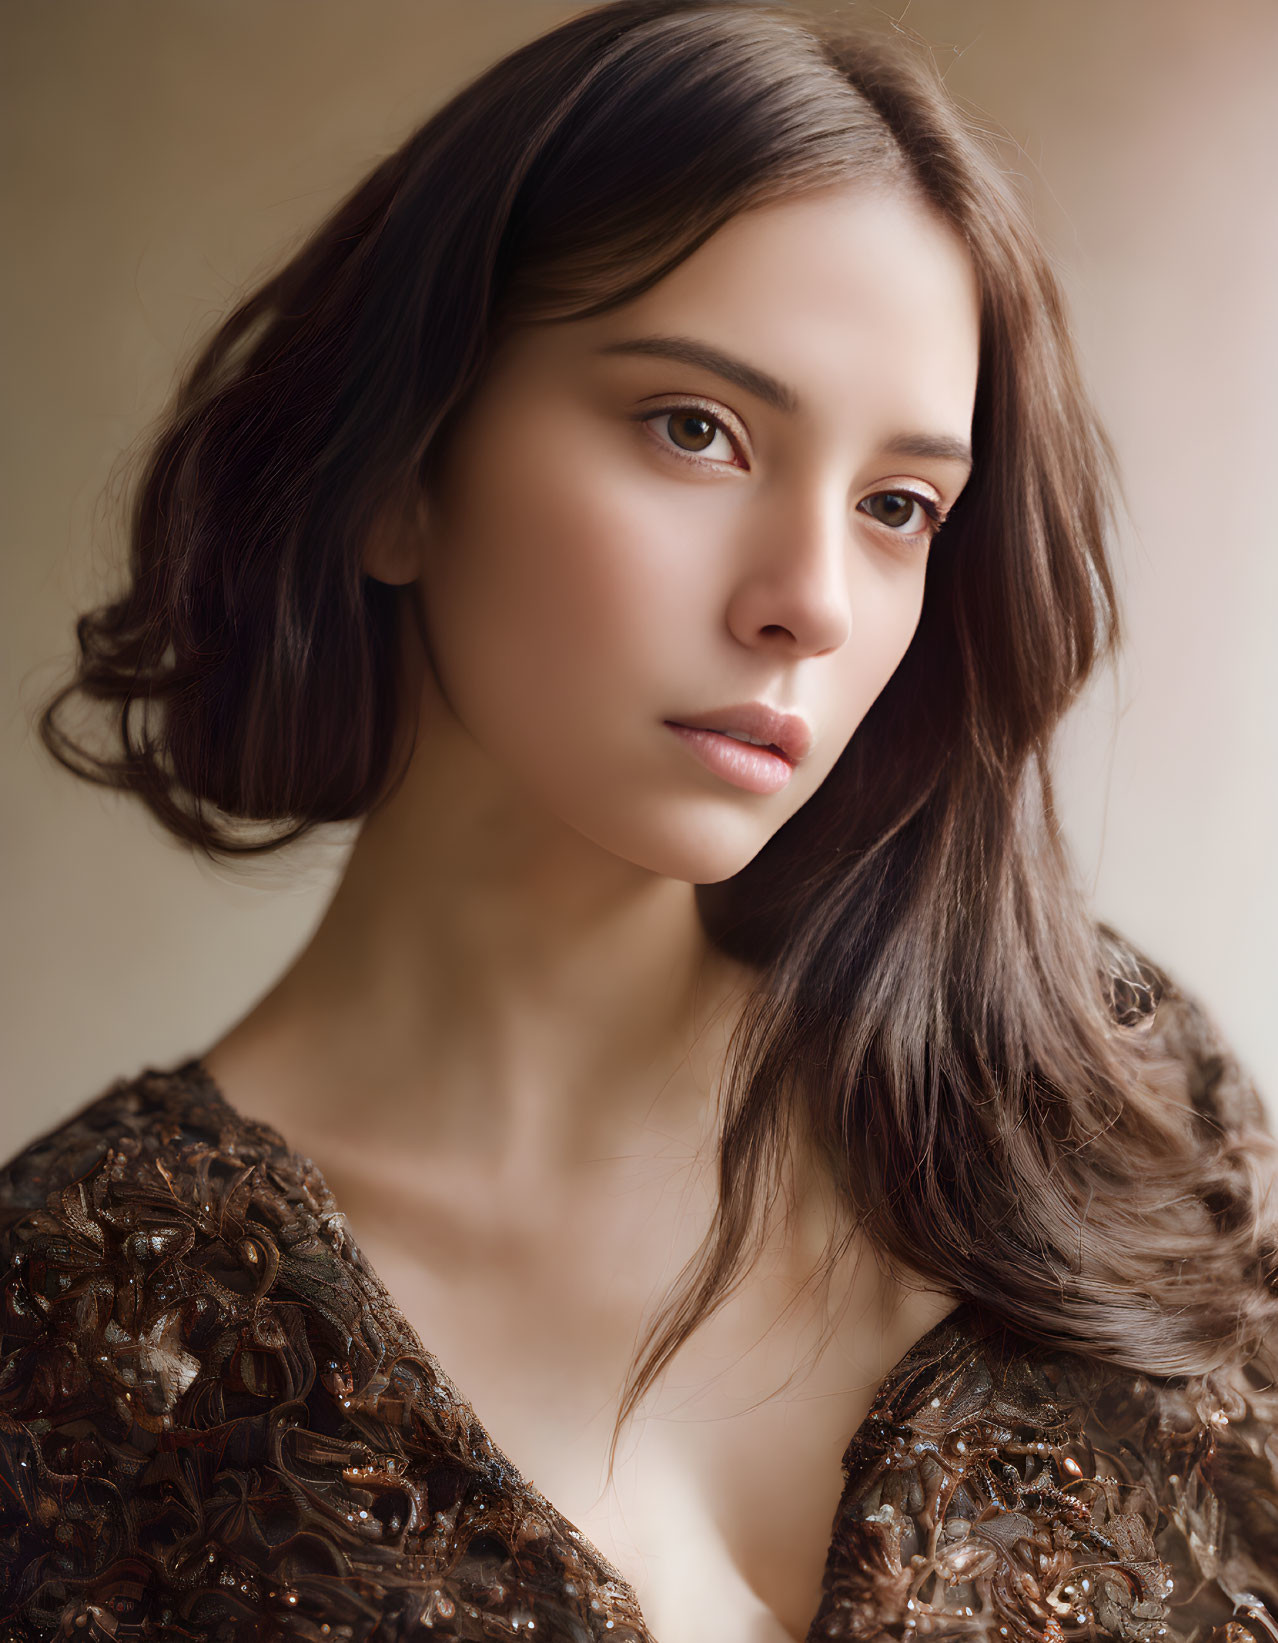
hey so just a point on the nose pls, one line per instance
(793, 589)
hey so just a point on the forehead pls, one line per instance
(850, 295)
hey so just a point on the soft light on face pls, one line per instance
(624, 536)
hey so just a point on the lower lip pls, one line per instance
(740, 763)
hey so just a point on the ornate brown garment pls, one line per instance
(215, 1424)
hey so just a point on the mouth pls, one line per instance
(742, 761)
(755, 724)
(737, 736)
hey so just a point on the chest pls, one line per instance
(718, 1509)
(719, 1505)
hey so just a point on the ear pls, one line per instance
(395, 540)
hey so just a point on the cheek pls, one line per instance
(556, 584)
(887, 606)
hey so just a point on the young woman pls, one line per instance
(707, 1178)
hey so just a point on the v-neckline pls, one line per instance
(513, 1476)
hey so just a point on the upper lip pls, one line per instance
(786, 732)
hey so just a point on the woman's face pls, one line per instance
(721, 494)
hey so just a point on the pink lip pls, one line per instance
(756, 769)
(786, 733)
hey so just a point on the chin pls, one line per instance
(705, 847)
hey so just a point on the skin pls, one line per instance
(511, 987)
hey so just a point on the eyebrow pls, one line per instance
(772, 391)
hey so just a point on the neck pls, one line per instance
(488, 978)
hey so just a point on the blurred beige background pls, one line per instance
(162, 153)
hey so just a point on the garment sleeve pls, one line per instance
(1212, 1451)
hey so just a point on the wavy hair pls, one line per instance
(937, 1012)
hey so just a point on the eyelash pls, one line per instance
(930, 508)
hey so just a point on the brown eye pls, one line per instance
(900, 511)
(691, 429)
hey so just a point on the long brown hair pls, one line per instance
(937, 1012)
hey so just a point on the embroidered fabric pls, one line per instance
(216, 1424)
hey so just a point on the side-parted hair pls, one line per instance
(969, 1052)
